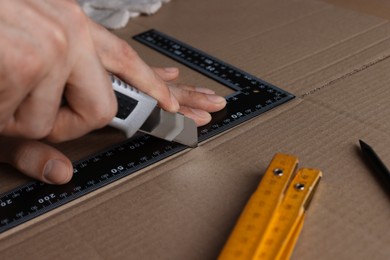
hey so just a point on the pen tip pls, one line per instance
(363, 145)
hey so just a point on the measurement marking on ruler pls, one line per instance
(253, 97)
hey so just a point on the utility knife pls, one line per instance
(138, 111)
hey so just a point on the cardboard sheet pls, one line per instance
(378, 8)
(335, 60)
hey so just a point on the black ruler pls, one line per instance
(251, 98)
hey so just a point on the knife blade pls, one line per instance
(138, 111)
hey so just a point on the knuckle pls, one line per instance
(75, 14)
(103, 114)
(26, 126)
(192, 95)
(30, 127)
(36, 131)
(126, 54)
(73, 8)
(58, 39)
(126, 50)
(30, 66)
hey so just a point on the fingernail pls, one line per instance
(216, 99)
(200, 113)
(171, 69)
(56, 172)
(175, 103)
(205, 90)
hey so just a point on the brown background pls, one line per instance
(378, 8)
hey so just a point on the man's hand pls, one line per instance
(54, 50)
(45, 163)
(47, 53)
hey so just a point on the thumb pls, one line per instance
(36, 159)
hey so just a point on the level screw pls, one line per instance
(278, 172)
(299, 186)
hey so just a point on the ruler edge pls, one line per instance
(178, 148)
(74, 197)
(138, 38)
(289, 96)
(75, 202)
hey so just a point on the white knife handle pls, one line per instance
(134, 107)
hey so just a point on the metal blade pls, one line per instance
(171, 126)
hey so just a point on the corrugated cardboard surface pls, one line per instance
(378, 8)
(335, 61)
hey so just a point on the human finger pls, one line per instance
(166, 73)
(90, 99)
(25, 65)
(201, 117)
(35, 116)
(91, 103)
(197, 98)
(35, 159)
(119, 58)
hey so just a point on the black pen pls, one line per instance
(377, 164)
